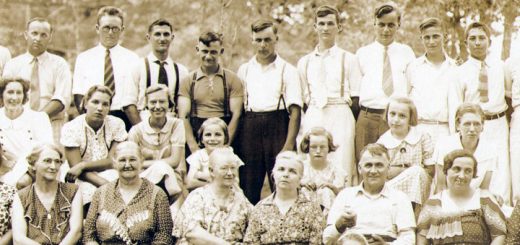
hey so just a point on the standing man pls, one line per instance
(483, 82)
(50, 76)
(272, 102)
(210, 91)
(158, 67)
(111, 65)
(5, 56)
(330, 77)
(383, 64)
(434, 88)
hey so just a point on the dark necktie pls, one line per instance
(483, 84)
(163, 77)
(109, 72)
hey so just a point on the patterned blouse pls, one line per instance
(48, 227)
(302, 224)
(228, 223)
(146, 219)
(443, 222)
(7, 193)
(513, 227)
(416, 149)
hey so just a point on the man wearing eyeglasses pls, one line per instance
(111, 65)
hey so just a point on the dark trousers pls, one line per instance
(260, 138)
(122, 115)
(369, 126)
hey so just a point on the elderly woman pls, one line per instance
(215, 213)
(48, 211)
(461, 214)
(89, 140)
(20, 130)
(129, 210)
(286, 216)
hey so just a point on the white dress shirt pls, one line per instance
(512, 76)
(54, 76)
(263, 85)
(469, 80)
(371, 59)
(5, 56)
(154, 76)
(90, 70)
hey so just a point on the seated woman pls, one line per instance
(286, 216)
(20, 130)
(321, 180)
(161, 140)
(410, 151)
(48, 211)
(89, 140)
(461, 214)
(7, 193)
(216, 213)
(129, 210)
(469, 122)
(212, 134)
(513, 226)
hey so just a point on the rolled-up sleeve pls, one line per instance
(293, 90)
(63, 83)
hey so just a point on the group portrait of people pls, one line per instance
(373, 147)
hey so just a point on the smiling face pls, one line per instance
(13, 95)
(287, 174)
(160, 38)
(38, 37)
(264, 42)
(386, 26)
(209, 56)
(213, 137)
(48, 165)
(127, 162)
(109, 30)
(318, 148)
(157, 103)
(478, 43)
(460, 174)
(433, 39)
(398, 118)
(97, 107)
(373, 169)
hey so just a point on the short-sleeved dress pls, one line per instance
(7, 193)
(228, 223)
(443, 222)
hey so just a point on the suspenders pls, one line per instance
(342, 82)
(282, 89)
(176, 92)
(226, 94)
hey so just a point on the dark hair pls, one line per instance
(25, 88)
(210, 121)
(411, 106)
(208, 37)
(387, 8)
(325, 10)
(317, 131)
(465, 108)
(39, 19)
(429, 23)
(263, 24)
(91, 91)
(160, 22)
(375, 149)
(110, 11)
(477, 25)
(450, 158)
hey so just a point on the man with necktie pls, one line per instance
(111, 65)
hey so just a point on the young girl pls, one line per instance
(213, 133)
(321, 180)
(410, 151)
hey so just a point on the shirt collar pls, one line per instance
(149, 130)
(478, 63)
(330, 51)
(278, 62)
(152, 58)
(200, 74)
(360, 190)
(116, 47)
(413, 137)
(448, 60)
(40, 57)
(269, 201)
(382, 47)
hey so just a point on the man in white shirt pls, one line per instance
(513, 85)
(50, 76)
(158, 67)
(272, 103)
(483, 82)
(330, 81)
(434, 88)
(373, 209)
(111, 65)
(383, 64)
(5, 56)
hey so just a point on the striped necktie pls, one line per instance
(387, 82)
(34, 95)
(109, 72)
(483, 83)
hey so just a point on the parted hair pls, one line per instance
(387, 8)
(111, 11)
(477, 25)
(156, 88)
(262, 24)
(39, 19)
(160, 22)
(25, 88)
(468, 108)
(325, 10)
(450, 158)
(213, 121)
(37, 150)
(375, 149)
(91, 91)
(412, 109)
(317, 131)
(429, 23)
(291, 156)
(210, 36)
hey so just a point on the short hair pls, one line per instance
(290, 156)
(213, 121)
(111, 11)
(317, 131)
(156, 88)
(39, 19)
(429, 23)
(37, 150)
(26, 85)
(223, 151)
(375, 149)
(387, 8)
(465, 108)
(450, 158)
(95, 88)
(412, 109)
(160, 22)
(208, 37)
(325, 10)
(128, 144)
(262, 24)
(477, 25)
